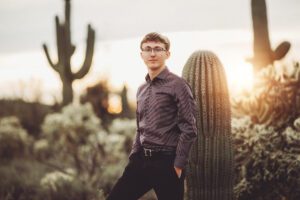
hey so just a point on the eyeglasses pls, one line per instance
(149, 50)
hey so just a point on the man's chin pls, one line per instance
(154, 68)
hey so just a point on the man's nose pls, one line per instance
(152, 53)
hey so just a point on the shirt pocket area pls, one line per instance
(164, 96)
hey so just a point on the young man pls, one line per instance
(166, 129)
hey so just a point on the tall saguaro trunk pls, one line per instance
(65, 50)
(211, 167)
(263, 53)
(67, 91)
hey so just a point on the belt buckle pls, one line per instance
(148, 152)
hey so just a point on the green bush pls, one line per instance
(267, 161)
(14, 140)
(74, 157)
(266, 130)
(30, 114)
(28, 179)
(20, 179)
(75, 135)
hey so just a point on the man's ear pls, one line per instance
(168, 54)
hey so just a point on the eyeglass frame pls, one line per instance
(149, 50)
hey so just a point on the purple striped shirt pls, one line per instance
(165, 116)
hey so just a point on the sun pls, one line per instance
(240, 78)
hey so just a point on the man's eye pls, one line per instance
(158, 49)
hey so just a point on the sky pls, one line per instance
(224, 27)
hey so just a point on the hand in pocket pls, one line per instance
(178, 171)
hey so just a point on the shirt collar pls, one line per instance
(162, 75)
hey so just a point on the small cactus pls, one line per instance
(210, 170)
(65, 51)
(126, 109)
(263, 53)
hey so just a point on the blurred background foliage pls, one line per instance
(78, 150)
(72, 155)
(266, 133)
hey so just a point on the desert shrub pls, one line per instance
(76, 137)
(30, 114)
(274, 99)
(267, 161)
(266, 133)
(14, 140)
(28, 179)
(61, 186)
(98, 96)
(125, 128)
(20, 179)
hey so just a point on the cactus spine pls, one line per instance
(210, 170)
(65, 51)
(263, 54)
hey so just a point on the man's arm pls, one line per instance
(136, 143)
(186, 117)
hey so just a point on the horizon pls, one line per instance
(110, 55)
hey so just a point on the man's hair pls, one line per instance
(156, 37)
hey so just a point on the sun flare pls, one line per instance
(240, 78)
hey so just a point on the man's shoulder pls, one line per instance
(177, 80)
(181, 85)
(141, 87)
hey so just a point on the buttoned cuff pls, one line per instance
(180, 162)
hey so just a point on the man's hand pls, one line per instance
(178, 171)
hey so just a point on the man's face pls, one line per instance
(154, 55)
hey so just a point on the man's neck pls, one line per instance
(154, 73)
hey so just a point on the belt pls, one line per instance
(146, 152)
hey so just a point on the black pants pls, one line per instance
(144, 173)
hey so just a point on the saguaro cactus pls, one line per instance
(65, 51)
(263, 54)
(210, 170)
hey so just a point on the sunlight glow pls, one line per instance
(115, 105)
(240, 78)
(119, 62)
